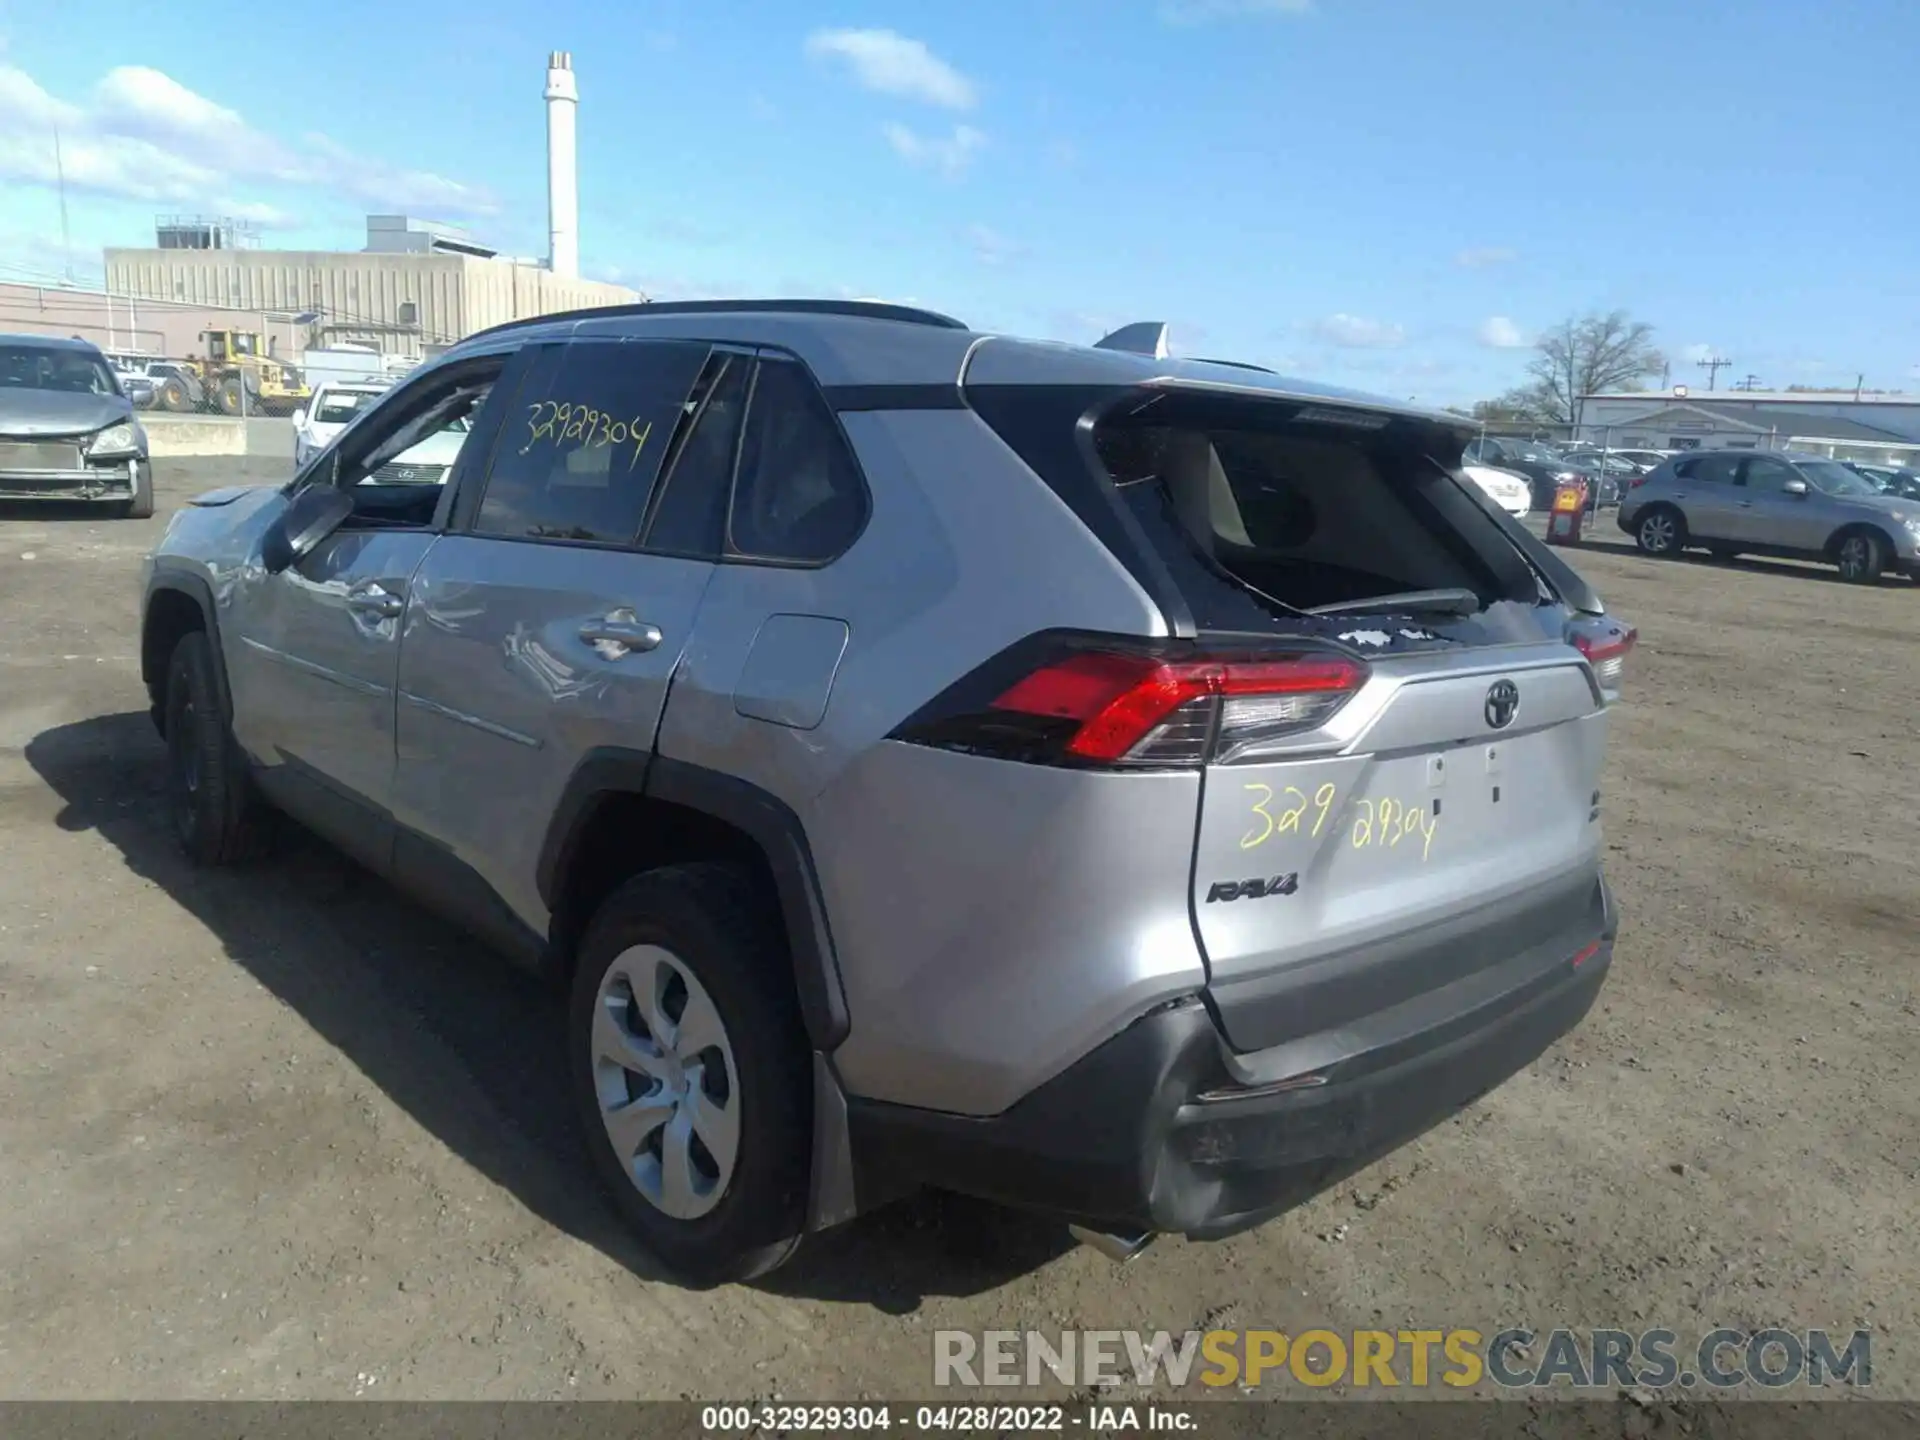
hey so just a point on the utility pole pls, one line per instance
(1713, 365)
(1749, 382)
(1858, 381)
(60, 183)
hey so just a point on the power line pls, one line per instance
(1713, 365)
(1747, 382)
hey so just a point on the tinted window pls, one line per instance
(1767, 477)
(1709, 469)
(690, 515)
(579, 459)
(798, 495)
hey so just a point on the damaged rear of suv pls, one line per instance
(1138, 790)
(1357, 774)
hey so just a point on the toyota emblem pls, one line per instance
(1503, 703)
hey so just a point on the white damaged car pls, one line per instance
(1506, 489)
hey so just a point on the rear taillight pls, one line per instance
(1607, 653)
(1636, 482)
(1094, 706)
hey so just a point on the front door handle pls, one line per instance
(374, 600)
(619, 633)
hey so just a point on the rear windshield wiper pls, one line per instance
(1407, 602)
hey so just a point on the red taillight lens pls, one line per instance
(1607, 654)
(1110, 707)
(1636, 482)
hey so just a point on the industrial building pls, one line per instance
(416, 287)
(1879, 429)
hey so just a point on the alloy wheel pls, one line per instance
(668, 1088)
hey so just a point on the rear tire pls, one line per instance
(706, 1153)
(1661, 532)
(228, 398)
(215, 815)
(1861, 557)
(174, 398)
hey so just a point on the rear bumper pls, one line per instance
(1158, 1130)
(95, 482)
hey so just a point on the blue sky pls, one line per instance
(1395, 194)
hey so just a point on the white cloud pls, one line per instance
(1502, 334)
(141, 135)
(1354, 333)
(1697, 353)
(950, 154)
(1482, 256)
(893, 64)
(1199, 12)
(991, 247)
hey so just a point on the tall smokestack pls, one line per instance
(563, 179)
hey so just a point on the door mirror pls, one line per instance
(1796, 487)
(314, 514)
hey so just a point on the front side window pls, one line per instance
(1709, 469)
(1767, 477)
(799, 496)
(578, 458)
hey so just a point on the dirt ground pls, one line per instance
(281, 1135)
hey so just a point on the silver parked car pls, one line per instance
(1140, 790)
(1746, 502)
(67, 430)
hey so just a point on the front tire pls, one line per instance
(690, 1071)
(1861, 557)
(140, 505)
(1661, 533)
(210, 799)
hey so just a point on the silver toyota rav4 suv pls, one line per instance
(1799, 507)
(1139, 790)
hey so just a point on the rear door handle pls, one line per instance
(619, 633)
(374, 600)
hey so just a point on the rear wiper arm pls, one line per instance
(1407, 602)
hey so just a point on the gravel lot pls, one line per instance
(281, 1135)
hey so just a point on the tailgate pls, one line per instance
(1445, 824)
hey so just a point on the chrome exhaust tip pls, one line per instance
(1117, 1248)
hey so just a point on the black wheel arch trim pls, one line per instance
(197, 589)
(768, 821)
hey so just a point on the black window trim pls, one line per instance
(677, 445)
(563, 344)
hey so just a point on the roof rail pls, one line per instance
(858, 309)
(1238, 365)
(1147, 337)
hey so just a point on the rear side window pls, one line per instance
(798, 496)
(578, 460)
(1308, 514)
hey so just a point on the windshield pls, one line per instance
(1835, 479)
(73, 372)
(337, 407)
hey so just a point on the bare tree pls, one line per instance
(1583, 357)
